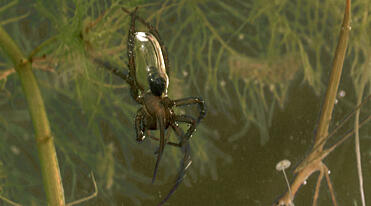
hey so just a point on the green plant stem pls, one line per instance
(359, 92)
(313, 161)
(45, 145)
(41, 46)
(333, 85)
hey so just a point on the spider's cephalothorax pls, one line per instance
(148, 78)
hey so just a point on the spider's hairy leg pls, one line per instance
(155, 33)
(157, 139)
(139, 126)
(115, 70)
(135, 88)
(186, 119)
(193, 100)
(184, 164)
(161, 123)
(185, 148)
(122, 74)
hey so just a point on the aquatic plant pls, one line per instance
(243, 56)
(314, 161)
(268, 43)
(90, 111)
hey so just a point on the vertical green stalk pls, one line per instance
(333, 85)
(45, 145)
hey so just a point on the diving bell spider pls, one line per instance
(157, 110)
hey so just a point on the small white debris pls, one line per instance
(341, 93)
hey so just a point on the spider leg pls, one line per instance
(155, 33)
(129, 77)
(168, 133)
(139, 126)
(169, 143)
(123, 75)
(115, 70)
(186, 119)
(136, 89)
(161, 124)
(193, 100)
(185, 163)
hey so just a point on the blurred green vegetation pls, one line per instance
(240, 56)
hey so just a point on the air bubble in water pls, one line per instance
(342, 93)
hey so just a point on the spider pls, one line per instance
(157, 111)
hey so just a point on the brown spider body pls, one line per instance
(154, 108)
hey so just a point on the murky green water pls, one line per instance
(261, 67)
(251, 178)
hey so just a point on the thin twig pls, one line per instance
(318, 185)
(9, 5)
(322, 154)
(9, 201)
(329, 185)
(347, 135)
(319, 149)
(358, 157)
(88, 197)
(362, 82)
(36, 64)
(41, 46)
(14, 19)
(6, 73)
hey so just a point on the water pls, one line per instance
(251, 179)
(261, 67)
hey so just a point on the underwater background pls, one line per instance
(261, 66)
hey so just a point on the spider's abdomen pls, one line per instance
(150, 66)
(155, 109)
